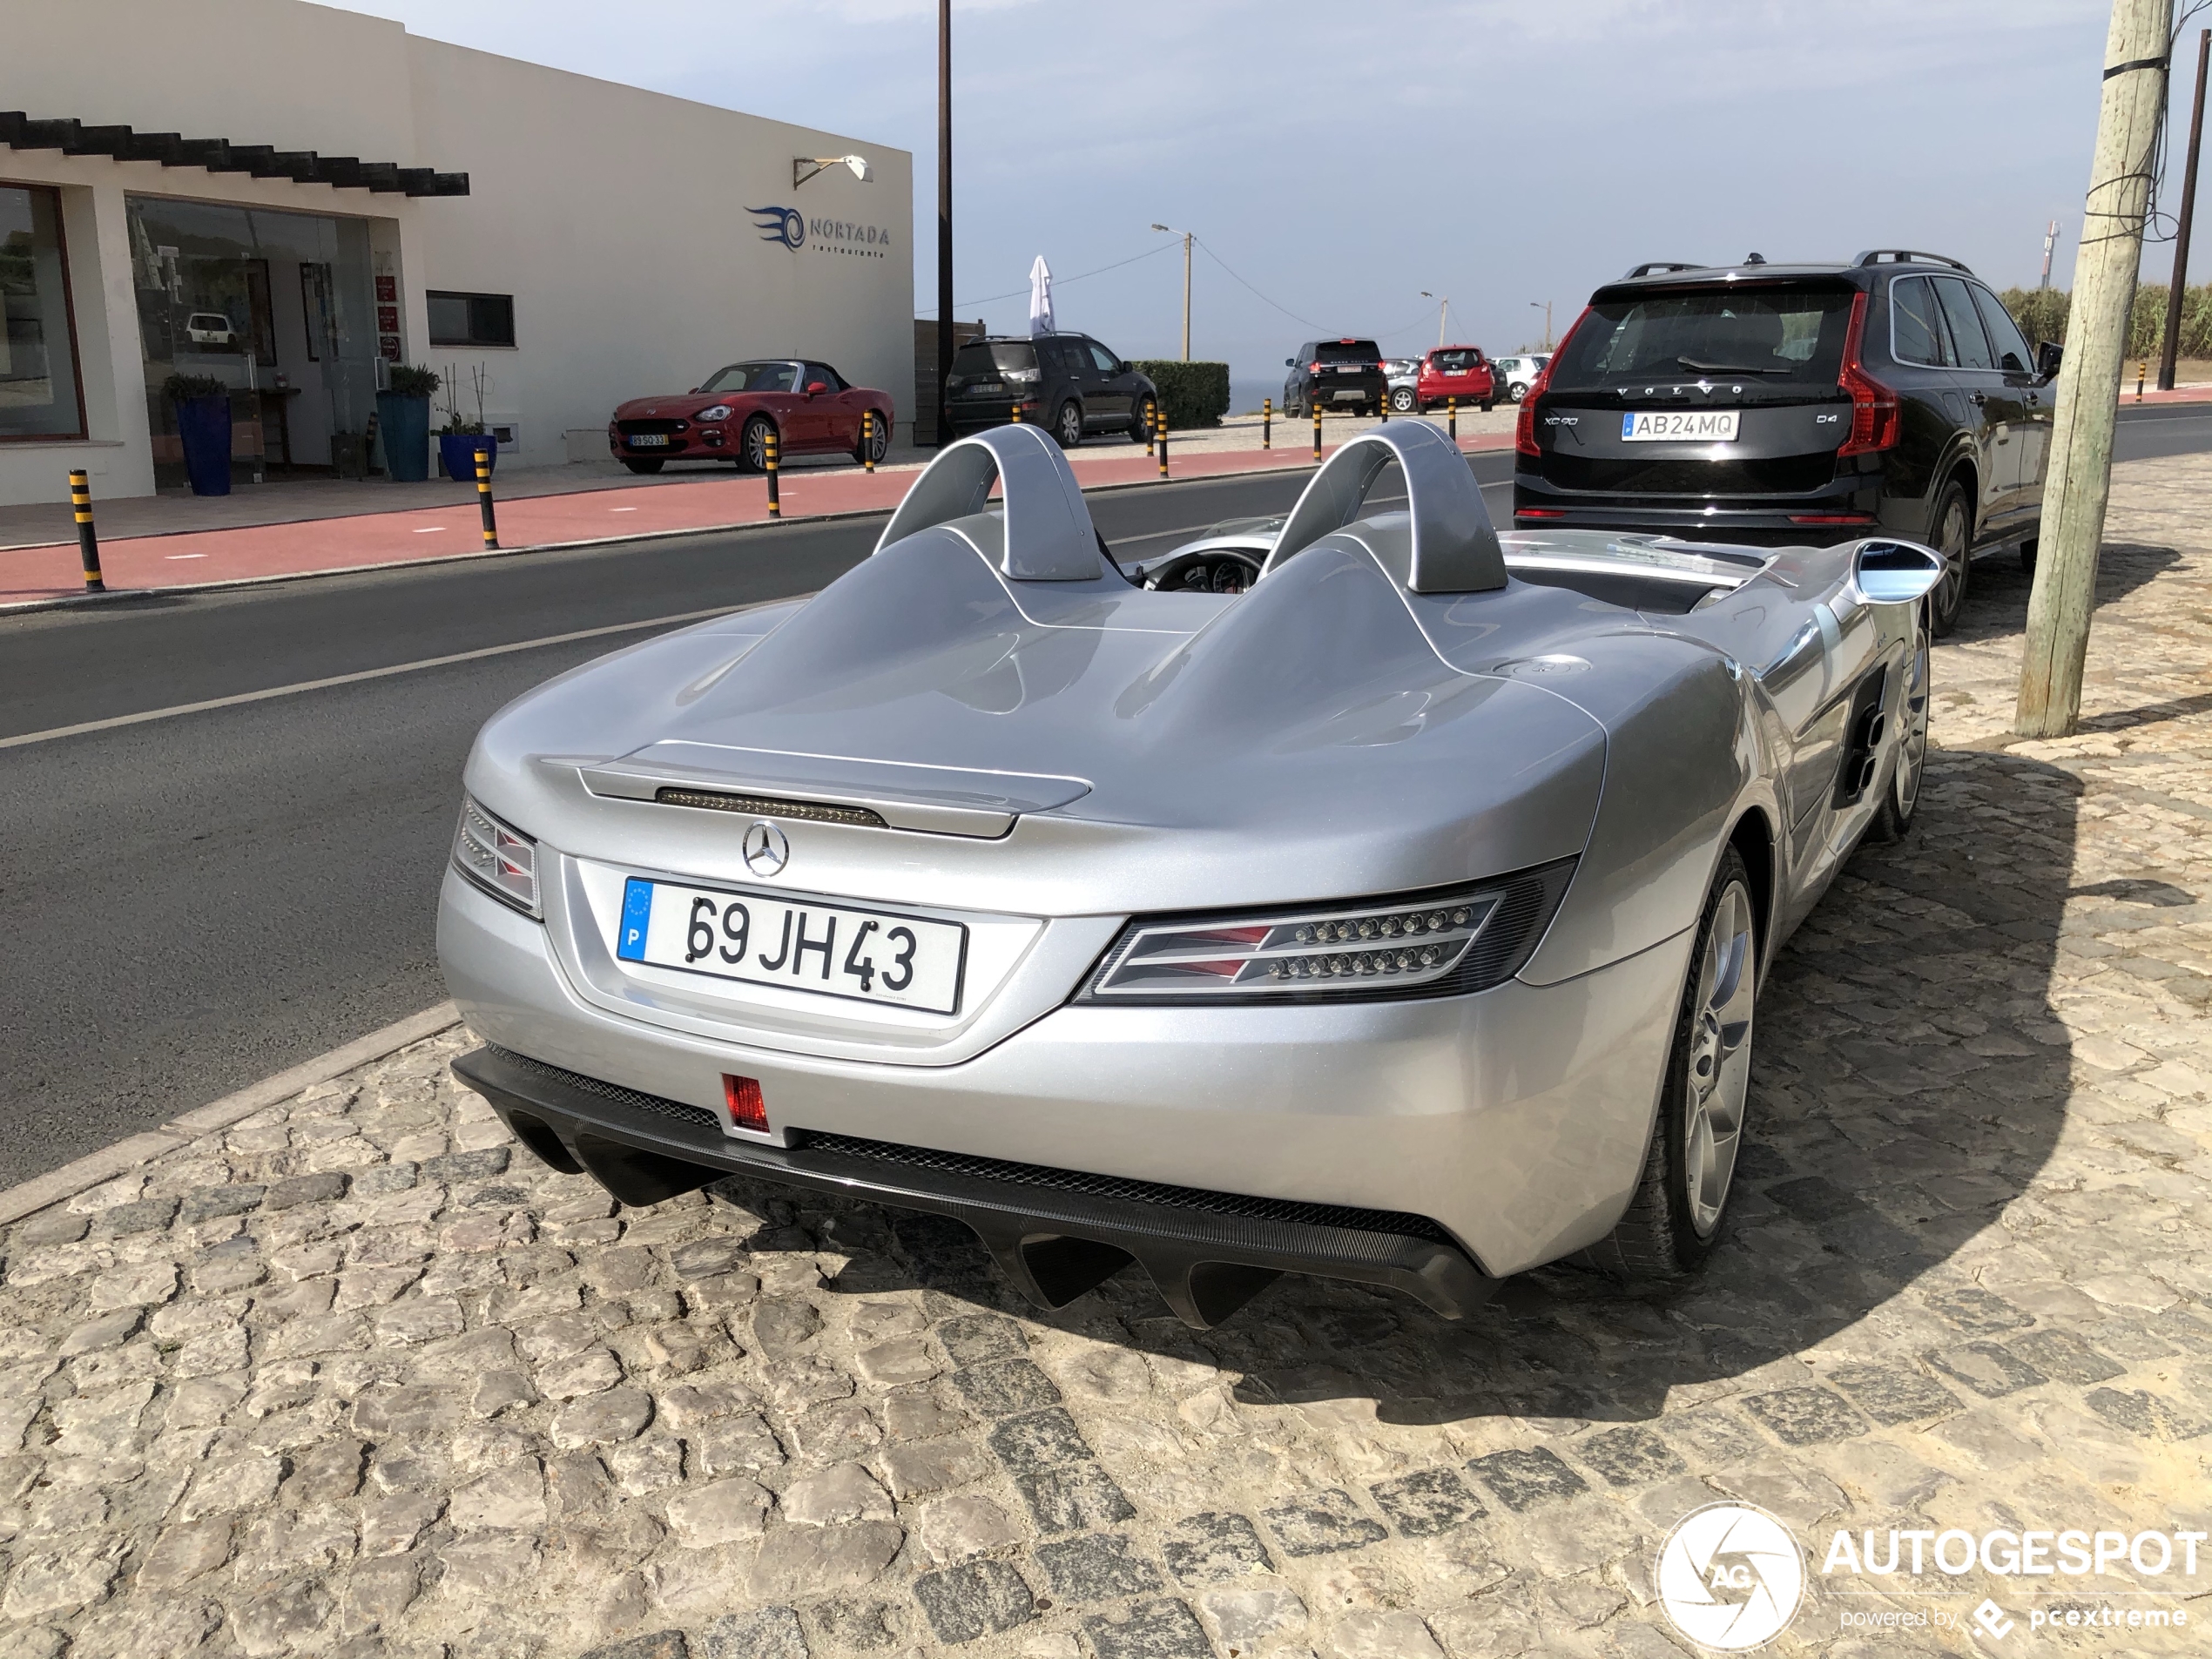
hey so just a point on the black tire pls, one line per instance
(2027, 555)
(1951, 533)
(880, 443)
(1068, 425)
(1402, 401)
(752, 444)
(1669, 1228)
(1901, 789)
(1140, 423)
(1516, 391)
(643, 464)
(1488, 402)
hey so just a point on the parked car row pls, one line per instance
(1349, 371)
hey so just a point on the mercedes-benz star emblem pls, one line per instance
(765, 849)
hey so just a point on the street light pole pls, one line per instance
(1443, 315)
(944, 216)
(1547, 308)
(1185, 235)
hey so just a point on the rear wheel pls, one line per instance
(1674, 1220)
(1068, 425)
(1951, 529)
(1515, 392)
(1401, 400)
(873, 444)
(1140, 425)
(1902, 798)
(753, 447)
(644, 463)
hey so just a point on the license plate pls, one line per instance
(1679, 425)
(649, 440)
(867, 955)
(989, 388)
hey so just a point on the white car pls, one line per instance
(209, 328)
(1519, 373)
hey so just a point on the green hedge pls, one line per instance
(2042, 313)
(1191, 394)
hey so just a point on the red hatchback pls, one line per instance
(809, 406)
(1455, 371)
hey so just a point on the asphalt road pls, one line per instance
(191, 903)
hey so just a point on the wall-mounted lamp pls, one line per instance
(804, 167)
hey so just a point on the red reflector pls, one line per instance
(1831, 518)
(1539, 512)
(747, 1109)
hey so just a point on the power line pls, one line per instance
(1062, 282)
(1285, 310)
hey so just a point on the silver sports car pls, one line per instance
(1399, 919)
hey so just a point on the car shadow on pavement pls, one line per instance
(1911, 1082)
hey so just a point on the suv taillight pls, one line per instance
(1316, 368)
(1876, 421)
(1524, 425)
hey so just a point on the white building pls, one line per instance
(290, 198)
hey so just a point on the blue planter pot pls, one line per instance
(403, 427)
(457, 453)
(203, 429)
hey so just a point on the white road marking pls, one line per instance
(113, 721)
(429, 529)
(184, 556)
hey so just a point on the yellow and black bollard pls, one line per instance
(1316, 428)
(1451, 417)
(867, 440)
(1382, 406)
(1267, 423)
(1160, 420)
(484, 497)
(2142, 373)
(775, 502)
(1151, 425)
(88, 540)
(1017, 415)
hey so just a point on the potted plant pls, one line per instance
(203, 406)
(460, 440)
(403, 423)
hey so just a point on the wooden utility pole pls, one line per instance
(944, 218)
(2173, 346)
(2105, 264)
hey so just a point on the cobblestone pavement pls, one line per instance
(358, 1378)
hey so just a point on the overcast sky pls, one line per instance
(1340, 157)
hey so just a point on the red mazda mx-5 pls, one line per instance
(811, 407)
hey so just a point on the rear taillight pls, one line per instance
(1876, 422)
(1316, 368)
(496, 857)
(1524, 427)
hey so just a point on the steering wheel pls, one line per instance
(1216, 570)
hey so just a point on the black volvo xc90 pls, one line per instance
(1802, 403)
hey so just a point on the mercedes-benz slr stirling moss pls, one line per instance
(1399, 919)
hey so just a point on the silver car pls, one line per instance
(1401, 376)
(1399, 920)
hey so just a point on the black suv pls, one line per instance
(1801, 403)
(1330, 372)
(1067, 383)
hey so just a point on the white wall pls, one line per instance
(615, 216)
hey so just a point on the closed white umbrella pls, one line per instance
(1041, 298)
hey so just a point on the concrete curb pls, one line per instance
(109, 1162)
(77, 601)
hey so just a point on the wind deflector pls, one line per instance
(1454, 548)
(1050, 536)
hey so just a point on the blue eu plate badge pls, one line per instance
(637, 918)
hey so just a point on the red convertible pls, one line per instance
(811, 407)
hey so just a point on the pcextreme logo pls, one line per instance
(1731, 1576)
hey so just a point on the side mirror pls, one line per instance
(1290, 362)
(1890, 573)
(2047, 356)
(813, 387)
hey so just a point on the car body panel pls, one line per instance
(1404, 704)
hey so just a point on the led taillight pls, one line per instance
(496, 857)
(1876, 423)
(747, 1108)
(1316, 368)
(1524, 425)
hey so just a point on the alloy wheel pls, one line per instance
(1912, 747)
(1950, 596)
(1720, 1060)
(1071, 426)
(756, 445)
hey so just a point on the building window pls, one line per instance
(471, 318)
(38, 391)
